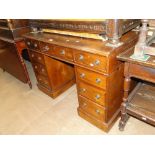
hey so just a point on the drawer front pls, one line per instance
(43, 80)
(91, 93)
(92, 108)
(39, 69)
(36, 57)
(64, 53)
(90, 60)
(46, 48)
(93, 78)
(142, 72)
(32, 44)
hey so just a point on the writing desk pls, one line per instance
(59, 61)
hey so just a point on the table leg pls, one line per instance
(124, 115)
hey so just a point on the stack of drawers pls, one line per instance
(53, 76)
(38, 63)
(99, 75)
(99, 89)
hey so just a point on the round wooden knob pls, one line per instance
(84, 104)
(97, 62)
(62, 52)
(81, 57)
(97, 111)
(98, 80)
(35, 45)
(39, 58)
(45, 48)
(82, 90)
(97, 96)
(82, 75)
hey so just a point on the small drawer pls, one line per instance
(62, 52)
(36, 57)
(90, 60)
(92, 108)
(46, 48)
(39, 69)
(32, 44)
(95, 94)
(43, 80)
(93, 78)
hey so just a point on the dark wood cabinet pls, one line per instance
(11, 47)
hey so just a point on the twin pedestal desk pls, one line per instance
(59, 61)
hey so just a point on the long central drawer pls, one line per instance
(57, 51)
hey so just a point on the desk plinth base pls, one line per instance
(57, 92)
(102, 125)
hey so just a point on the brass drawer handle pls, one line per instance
(45, 48)
(98, 80)
(35, 45)
(35, 67)
(97, 97)
(97, 111)
(97, 62)
(28, 43)
(32, 55)
(40, 79)
(82, 90)
(62, 52)
(82, 75)
(81, 57)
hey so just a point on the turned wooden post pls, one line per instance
(127, 82)
(114, 32)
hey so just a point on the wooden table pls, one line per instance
(140, 103)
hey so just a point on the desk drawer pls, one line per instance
(90, 60)
(62, 52)
(39, 69)
(32, 44)
(93, 78)
(43, 80)
(142, 72)
(36, 57)
(92, 93)
(92, 108)
(46, 48)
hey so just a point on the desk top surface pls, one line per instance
(125, 56)
(79, 43)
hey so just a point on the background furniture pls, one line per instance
(12, 46)
(140, 63)
(58, 60)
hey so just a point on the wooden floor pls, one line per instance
(25, 111)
